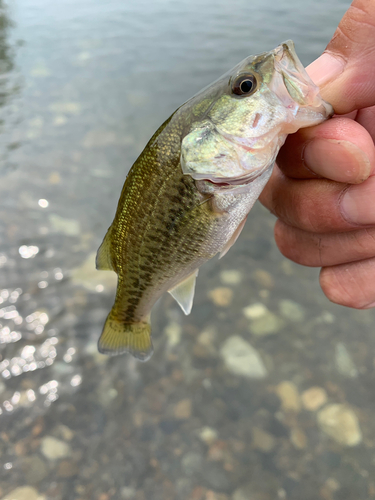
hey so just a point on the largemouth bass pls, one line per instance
(188, 194)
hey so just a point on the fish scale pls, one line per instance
(187, 196)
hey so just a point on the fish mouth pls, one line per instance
(232, 185)
(291, 82)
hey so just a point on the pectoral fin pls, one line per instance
(183, 293)
(233, 239)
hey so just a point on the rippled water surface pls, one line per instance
(266, 390)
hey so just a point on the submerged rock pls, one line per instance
(24, 493)
(87, 276)
(34, 468)
(191, 463)
(262, 440)
(262, 321)
(314, 398)
(53, 448)
(242, 359)
(230, 277)
(255, 311)
(291, 310)
(70, 227)
(208, 435)
(221, 296)
(173, 332)
(288, 394)
(264, 278)
(344, 362)
(182, 409)
(341, 424)
(298, 438)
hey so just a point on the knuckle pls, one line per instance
(295, 245)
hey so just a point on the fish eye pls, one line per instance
(245, 85)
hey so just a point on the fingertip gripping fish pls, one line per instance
(187, 196)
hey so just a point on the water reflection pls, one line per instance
(6, 52)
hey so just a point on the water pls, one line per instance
(83, 85)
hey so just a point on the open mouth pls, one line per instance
(231, 182)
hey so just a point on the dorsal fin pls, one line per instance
(233, 238)
(103, 257)
(183, 293)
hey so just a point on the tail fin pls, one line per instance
(118, 337)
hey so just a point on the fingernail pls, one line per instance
(357, 203)
(325, 68)
(340, 161)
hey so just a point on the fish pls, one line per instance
(187, 196)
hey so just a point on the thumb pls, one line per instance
(345, 72)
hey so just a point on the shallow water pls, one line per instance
(83, 85)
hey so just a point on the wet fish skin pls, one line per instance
(188, 194)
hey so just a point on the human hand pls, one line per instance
(323, 187)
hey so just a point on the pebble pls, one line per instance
(344, 363)
(263, 321)
(239, 494)
(64, 432)
(221, 296)
(291, 310)
(87, 276)
(192, 463)
(54, 178)
(215, 477)
(182, 409)
(287, 267)
(69, 107)
(255, 311)
(251, 492)
(173, 332)
(127, 493)
(266, 325)
(242, 359)
(314, 398)
(40, 71)
(298, 438)
(213, 495)
(262, 440)
(207, 339)
(341, 424)
(67, 469)
(24, 493)
(264, 278)
(100, 138)
(69, 227)
(208, 435)
(34, 468)
(288, 394)
(230, 277)
(53, 448)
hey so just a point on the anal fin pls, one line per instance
(183, 293)
(233, 238)
(103, 257)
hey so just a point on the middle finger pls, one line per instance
(320, 205)
(322, 249)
